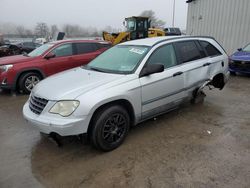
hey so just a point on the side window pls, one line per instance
(188, 51)
(83, 48)
(211, 50)
(201, 49)
(140, 25)
(164, 55)
(103, 45)
(63, 50)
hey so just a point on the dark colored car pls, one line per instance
(239, 62)
(27, 47)
(171, 31)
(9, 49)
(17, 48)
(23, 72)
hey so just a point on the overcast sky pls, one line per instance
(88, 12)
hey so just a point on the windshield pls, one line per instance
(120, 59)
(131, 25)
(39, 51)
(247, 48)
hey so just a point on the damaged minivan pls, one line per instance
(129, 83)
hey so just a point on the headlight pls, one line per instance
(64, 108)
(5, 68)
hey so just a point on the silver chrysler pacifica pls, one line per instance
(127, 84)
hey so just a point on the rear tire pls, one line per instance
(110, 127)
(198, 97)
(28, 81)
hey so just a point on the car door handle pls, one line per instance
(206, 64)
(177, 74)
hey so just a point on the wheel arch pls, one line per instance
(218, 81)
(121, 102)
(20, 73)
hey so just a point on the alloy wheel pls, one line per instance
(114, 128)
(31, 81)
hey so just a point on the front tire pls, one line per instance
(110, 127)
(28, 81)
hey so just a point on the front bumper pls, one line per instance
(240, 66)
(7, 87)
(239, 70)
(63, 126)
(5, 82)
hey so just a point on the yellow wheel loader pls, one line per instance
(136, 28)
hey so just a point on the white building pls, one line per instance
(228, 21)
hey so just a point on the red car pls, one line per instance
(23, 72)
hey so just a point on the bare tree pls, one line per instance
(111, 29)
(8, 28)
(42, 30)
(20, 30)
(75, 31)
(28, 32)
(155, 22)
(53, 31)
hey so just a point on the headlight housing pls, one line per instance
(5, 68)
(230, 61)
(64, 108)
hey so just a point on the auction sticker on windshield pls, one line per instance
(138, 51)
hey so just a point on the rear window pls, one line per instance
(210, 49)
(83, 48)
(187, 51)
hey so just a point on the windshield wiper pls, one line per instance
(95, 69)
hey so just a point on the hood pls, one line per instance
(15, 59)
(241, 56)
(72, 83)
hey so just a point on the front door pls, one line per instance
(63, 59)
(162, 91)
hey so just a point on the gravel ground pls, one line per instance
(202, 145)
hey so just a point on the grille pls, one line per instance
(37, 104)
(240, 64)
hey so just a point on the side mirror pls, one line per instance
(239, 49)
(50, 55)
(152, 69)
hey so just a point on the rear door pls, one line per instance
(162, 91)
(63, 59)
(85, 52)
(194, 62)
(215, 58)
